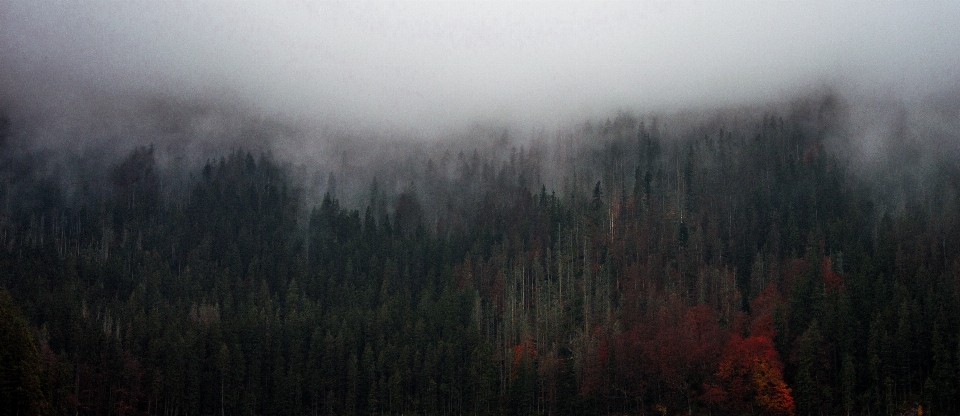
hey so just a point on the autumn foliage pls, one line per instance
(750, 378)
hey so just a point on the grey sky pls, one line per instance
(412, 65)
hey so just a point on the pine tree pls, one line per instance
(20, 372)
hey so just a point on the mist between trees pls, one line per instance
(796, 258)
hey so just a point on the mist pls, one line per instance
(370, 89)
(426, 68)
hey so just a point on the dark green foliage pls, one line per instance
(20, 372)
(479, 289)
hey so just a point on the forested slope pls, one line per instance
(732, 266)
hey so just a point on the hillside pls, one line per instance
(740, 261)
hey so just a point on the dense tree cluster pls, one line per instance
(730, 267)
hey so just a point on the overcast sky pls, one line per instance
(446, 64)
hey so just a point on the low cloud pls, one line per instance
(426, 67)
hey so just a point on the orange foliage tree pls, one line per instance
(750, 379)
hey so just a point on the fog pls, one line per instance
(347, 92)
(425, 68)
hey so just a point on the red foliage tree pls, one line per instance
(761, 311)
(750, 379)
(525, 350)
(677, 349)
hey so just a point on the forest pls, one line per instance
(740, 262)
